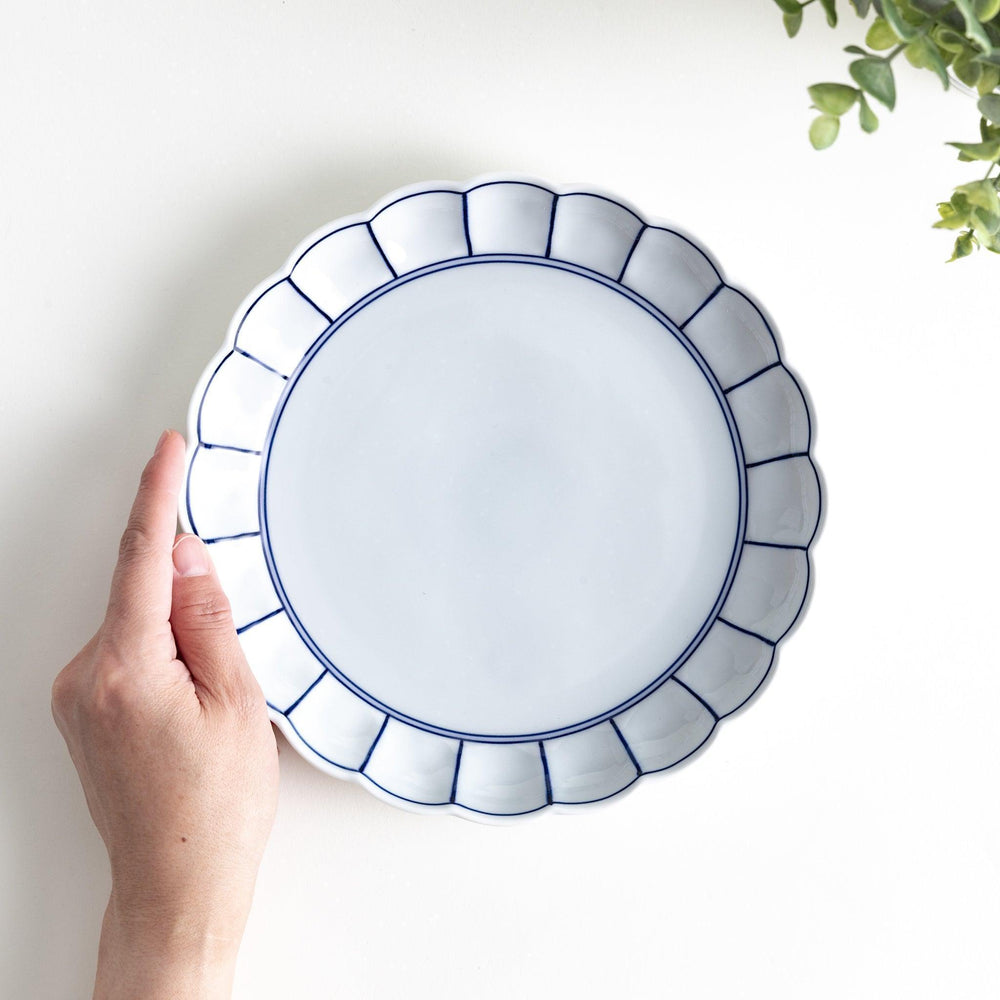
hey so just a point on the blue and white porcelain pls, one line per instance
(511, 494)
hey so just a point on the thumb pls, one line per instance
(202, 621)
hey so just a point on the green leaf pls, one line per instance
(903, 30)
(911, 12)
(861, 6)
(950, 41)
(792, 23)
(923, 54)
(932, 7)
(963, 246)
(967, 68)
(981, 194)
(988, 131)
(855, 50)
(942, 12)
(975, 207)
(989, 80)
(880, 36)
(823, 131)
(951, 218)
(973, 28)
(962, 207)
(833, 98)
(986, 10)
(874, 76)
(983, 205)
(789, 6)
(989, 107)
(986, 151)
(830, 7)
(867, 117)
(989, 58)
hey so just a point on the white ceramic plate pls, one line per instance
(510, 492)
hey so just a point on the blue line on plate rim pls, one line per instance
(670, 327)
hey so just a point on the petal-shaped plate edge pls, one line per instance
(365, 218)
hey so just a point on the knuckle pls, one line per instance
(135, 542)
(62, 693)
(115, 694)
(211, 612)
(99, 691)
(66, 690)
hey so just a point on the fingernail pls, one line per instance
(191, 556)
(163, 437)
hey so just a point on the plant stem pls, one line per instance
(895, 52)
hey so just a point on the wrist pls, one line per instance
(165, 954)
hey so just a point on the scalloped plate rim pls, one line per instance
(282, 721)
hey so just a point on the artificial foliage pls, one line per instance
(957, 39)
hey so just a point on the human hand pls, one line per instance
(170, 734)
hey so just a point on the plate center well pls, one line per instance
(501, 499)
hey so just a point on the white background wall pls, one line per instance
(840, 838)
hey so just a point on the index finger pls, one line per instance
(143, 579)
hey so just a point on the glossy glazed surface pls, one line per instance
(529, 495)
(511, 494)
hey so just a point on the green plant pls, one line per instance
(946, 37)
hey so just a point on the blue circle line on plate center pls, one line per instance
(512, 259)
